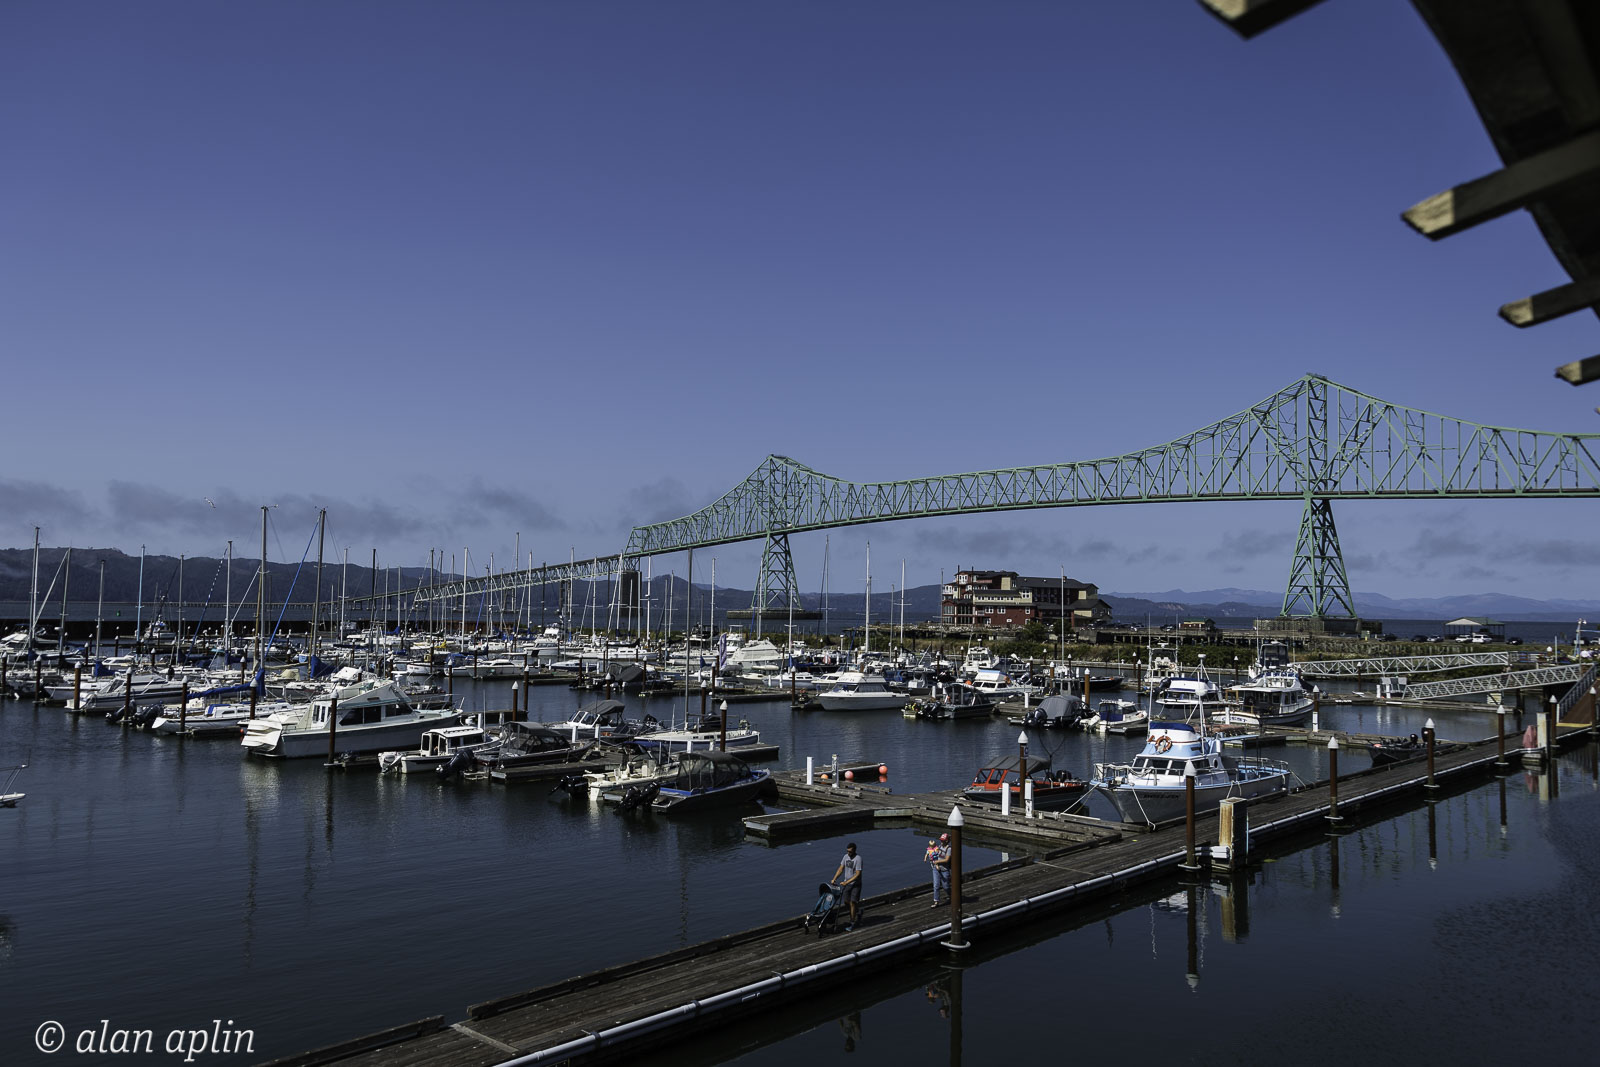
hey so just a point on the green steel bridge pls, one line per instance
(1314, 441)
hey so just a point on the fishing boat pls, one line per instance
(855, 691)
(704, 780)
(439, 746)
(1117, 717)
(1152, 789)
(956, 701)
(637, 771)
(8, 799)
(1052, 790)
(1272, 698)
(372, 717)
(1396, 750)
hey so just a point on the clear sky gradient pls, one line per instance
(459, 271)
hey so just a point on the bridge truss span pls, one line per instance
(1314, 439)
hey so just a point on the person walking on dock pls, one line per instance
(939, 859)
(848, 879)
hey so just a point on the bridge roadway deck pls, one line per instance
(603, 1014)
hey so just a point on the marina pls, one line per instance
(1015, 856)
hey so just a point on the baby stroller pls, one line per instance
(825, 914)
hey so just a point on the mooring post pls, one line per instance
(333, 725)
(450, 684)
(183, 709)
(1233, 831)
(516, 706)
(1427, 737)
(1333, 780)
(2, 675)
(1553, 729)
(1594, 719)
(254, 693)
(1316, 709)
(958, 936)
(38, 678)
(1023, 793)
(127, 696)
(1189, 862)
(1500, 741)
(810, 777)
(77, 687)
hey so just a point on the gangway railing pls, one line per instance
(1380, 665)
(1494, 683)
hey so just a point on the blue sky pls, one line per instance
(457, 272)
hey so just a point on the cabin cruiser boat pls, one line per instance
(954, 701)
(860, 692)
(1271, 698)
(999, 686)
(1052, 791)
(704, 780)
(1152, 789)
(372, 717)
(1188, 697)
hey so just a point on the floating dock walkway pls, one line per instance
(608, 1013)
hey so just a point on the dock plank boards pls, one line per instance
(587, 1017)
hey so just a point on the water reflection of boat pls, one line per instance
(705, 780)
(1152, 789)
(8, 799)
(1052, 790)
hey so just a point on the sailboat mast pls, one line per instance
(99, 610)
(261, 591)
(177, 640)
(866, 614)
(316, 602)
(61, 638)
(227, 605)
(33, 600)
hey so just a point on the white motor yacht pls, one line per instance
(860, 692)
(372, 717)
(1152, 789)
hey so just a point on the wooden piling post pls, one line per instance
(77, 687)
(333, 725)
(1233, 830)
(1500, 740)
(1333, 780)
(1190, 863)
(183, 710)
(1427, 736)
(958, 936)
(38, 678)
(2, 675)
(253, 694)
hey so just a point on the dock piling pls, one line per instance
(333, 726)
(810, 775)
(1189, 862)
(1500, 738)
(1333, 781)
(183, 709)
(958, 936)
(1233, 832)
(77, 687)
(1427, 737)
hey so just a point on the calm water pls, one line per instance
(162, 884)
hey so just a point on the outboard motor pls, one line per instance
(575, 785)
(460, 761)
(143, 717)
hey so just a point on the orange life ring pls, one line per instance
(1163, 743)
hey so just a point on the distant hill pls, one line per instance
(1246, 603)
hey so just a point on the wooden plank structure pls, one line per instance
(608, 1012)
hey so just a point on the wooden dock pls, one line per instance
(608, 1013)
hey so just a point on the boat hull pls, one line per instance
(1157, 804)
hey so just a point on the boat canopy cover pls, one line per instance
(1009, 764)
(600, 709)
(709, 770)
(1060, 705)
(626, 673)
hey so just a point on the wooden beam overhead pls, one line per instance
(1506, 190)
(1250, 17)
(1580, 371)
(1552, 303)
